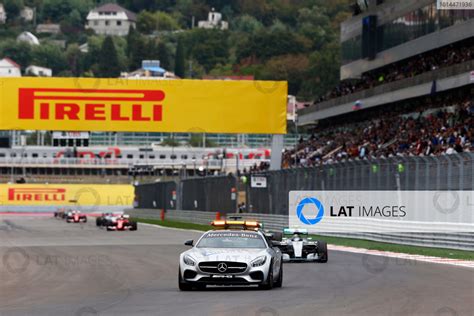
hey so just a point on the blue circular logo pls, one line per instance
(304, 219)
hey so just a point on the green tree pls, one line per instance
(179, 67)
(108, 60)
(74, 59)
(247, 24)
(323, 71)
(164, 55)
(51, 56)
(132, 38)
(139, 52)
(265, 44)
(208, 47)
(146, 22)
(292, 68)
(166, 22)
(13, 8)
(19, 52)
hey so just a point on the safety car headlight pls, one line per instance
(260, 261)
(189, 260)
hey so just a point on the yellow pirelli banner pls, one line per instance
(85, 104)
(85, 195)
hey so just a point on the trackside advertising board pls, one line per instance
(74, 195)
(85, 104)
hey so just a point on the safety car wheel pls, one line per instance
(269, 283)
(279, 282)
(182, 285)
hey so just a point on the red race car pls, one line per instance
(76, 217)
(121, 222)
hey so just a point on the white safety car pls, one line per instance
(236, 253)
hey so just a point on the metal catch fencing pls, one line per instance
(158, 195)
(216, 193)
(448, 172)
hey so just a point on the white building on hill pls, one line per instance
(214, 21)
(9, 68)
(110, 19)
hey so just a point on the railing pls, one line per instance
(116, 163)
(393, 86)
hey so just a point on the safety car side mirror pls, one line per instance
(189, 242)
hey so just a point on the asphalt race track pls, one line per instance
(49, 267)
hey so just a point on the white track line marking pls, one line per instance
(390, 254)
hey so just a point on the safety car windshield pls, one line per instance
(231, 240)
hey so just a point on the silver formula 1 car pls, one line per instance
(238, 253)
(297, 246)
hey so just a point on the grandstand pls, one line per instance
(406, 87)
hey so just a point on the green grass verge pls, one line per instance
(174, 224)
(349, 242)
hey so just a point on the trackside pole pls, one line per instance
(277, 149)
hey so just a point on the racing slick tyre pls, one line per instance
(279, 282)
(133, 226)
(182, 285)
(322, 251)
(98, 221)
(108, 228)
(85, 219)
(269, 283)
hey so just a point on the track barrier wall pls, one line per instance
(269, 204)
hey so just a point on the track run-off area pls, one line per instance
(50, 267)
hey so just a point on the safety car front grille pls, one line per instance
(231, 267)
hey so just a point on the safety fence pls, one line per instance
(462, 241)
(158, 195)
(224, 193)
(442, 173)
(216, 193)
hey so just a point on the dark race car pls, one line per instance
(76, 217)
(104, 218)
(121, 222)
(60, 213)
(297, 246)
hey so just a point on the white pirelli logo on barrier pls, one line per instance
(382, 211)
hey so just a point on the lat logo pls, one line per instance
(90, 105)
(37, 194)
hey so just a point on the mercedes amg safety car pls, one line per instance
(76, 217)
(296, 245)
(235, 253)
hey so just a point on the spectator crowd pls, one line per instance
(436, 126)
(432, 60)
